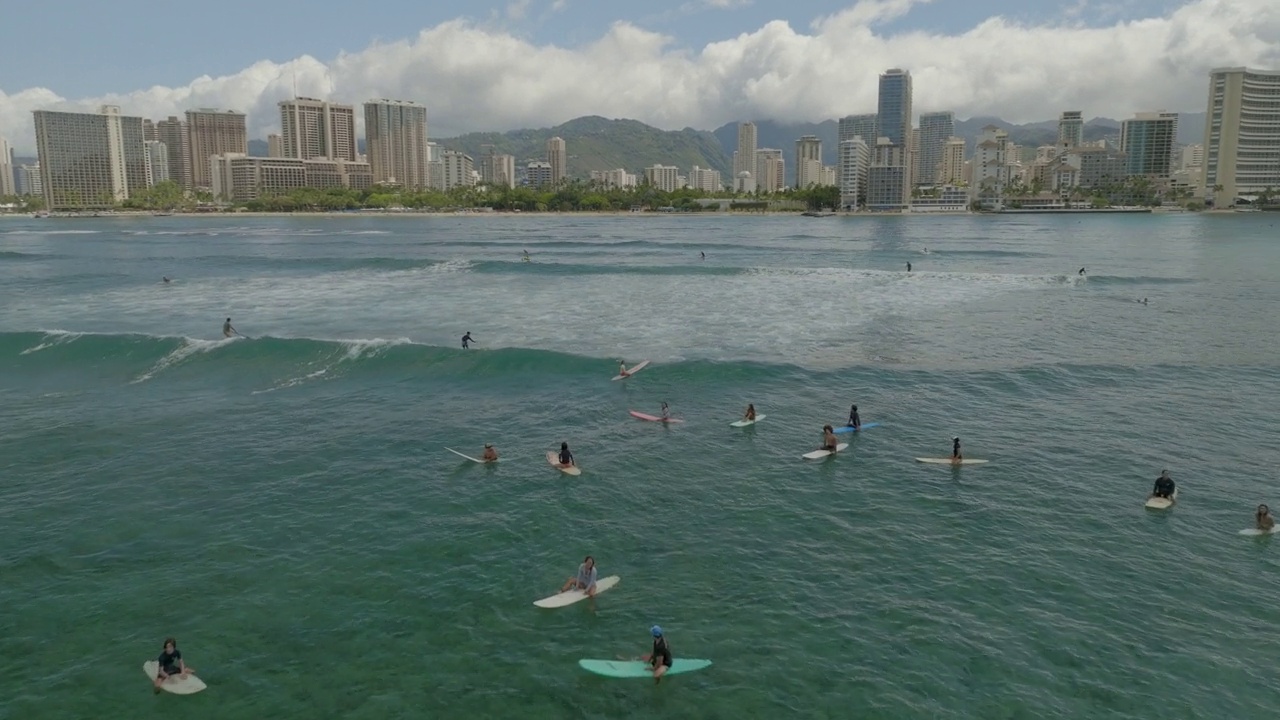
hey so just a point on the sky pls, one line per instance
(484, 65)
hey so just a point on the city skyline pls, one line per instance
(783, 65)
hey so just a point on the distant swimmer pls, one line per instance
(566, 457)
(666, 412)
(490, 454)
(854, 421)
(227, 330)
(467, 340)
(702, 255)
(828, 438)
(1164, 487)
(1081, 271)
(1144, 301)
(751, 412)
(660, 659)
(166, 280)
(1263, 518)
(585, 580)
(956, 455)
(908, 267)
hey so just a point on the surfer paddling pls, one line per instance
(490, 453)
(170, 662)
(1164, 487)
(585, 580)
(1262, 518)
(660, 659)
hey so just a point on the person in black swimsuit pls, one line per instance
(660, 659)
(854, 421)
(467, 340)
(1164, 486)
(956, 456)
(566, 457)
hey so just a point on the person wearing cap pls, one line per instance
(585, 580)
(660, 658)
(490, 454)
(956, 456)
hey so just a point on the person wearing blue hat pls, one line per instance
(660, 658)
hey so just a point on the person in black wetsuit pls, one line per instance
(566, 457)
(854, 421)
(956, 455)
(170, 661)
(660, 659)
(467, 340)
(1164, 486)
(908, 267)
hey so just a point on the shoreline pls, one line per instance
(617, 213)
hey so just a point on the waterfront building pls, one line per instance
(1242, 135)
(89, 160)
(213, 132)
(1149, 140)
(558, 158)
(395, 134)
(313, 128)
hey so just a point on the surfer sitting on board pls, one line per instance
(227, 330)
(585, 580)
(660, 658)
(170, 662)
(566, 457)
(956, 455)
(751, 412)
(467, 340)
(1263, 518)
(1164, 486)
(622, 369)
(828, 438)
(854, 422)
(490, 454)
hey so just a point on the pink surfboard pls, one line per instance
(652, 418)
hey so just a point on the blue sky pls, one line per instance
(124, 45)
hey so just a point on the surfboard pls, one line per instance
(474, 460)
(746, 423)
(570, 597)
(1158, 503)
(653, 418)
(849, 428)
(639, 366)
(819, 454)
(638, 669)
(949, 461)
(1256, 531)
(176, 684)
(554, 459)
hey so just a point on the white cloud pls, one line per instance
(559, 5)
(483, 78)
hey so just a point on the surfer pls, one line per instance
(660, 659)
(585, 580)
(1082, 272)
(666, 412)
(956, 455)
(165, 279)
(1263, 518)
(525, 258)
(702, 255)
(1164, 486)
(751, 412)
(227, 330)
(467, 340)
(1144, 301)
(490, 453)
(828, 438)
(854, 421)
(170, 662)
(622, 369)
(566, 457)
(908, 267)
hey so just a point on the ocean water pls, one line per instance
(284, 504)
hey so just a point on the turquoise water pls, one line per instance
(285, 507)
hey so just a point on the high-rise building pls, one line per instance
(863, 126)
(808, 161)
(395, 133)
(771, 170)
(558, 157)
(935, 130)
(89, 160)
(1192, 157)
(149, 131)
(498, 170)
(7, 183)
(705, 179)
(459, 169)
(888, 178)
(538, 174)
(855, 161)
(617, 178)
(173, 133)
(1149, 139)
(238, 178)
(275, 145)
(893, 120)
(1070, 128)
(213, 132)
(991, 167)
(1242, 134)
(663, 177)
(28, 180)
(951, 169)
(313, 128)
(744, 159)
(157, 155)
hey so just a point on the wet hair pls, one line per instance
(228, 319)
(170, 641)
(855, 408)
(588, 558)
(1263, 508)
(564, 446)
(826, 428)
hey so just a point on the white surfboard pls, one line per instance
(949, 461)
(176, 684)
(819, 454)
(639, 366)
(554, 459)
(1256, 531)
(745, 423)
(570, 597)
(1159, 503)
(471, 459)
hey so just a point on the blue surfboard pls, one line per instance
(849, 428)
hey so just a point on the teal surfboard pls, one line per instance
(637, 669)
(849, 428)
